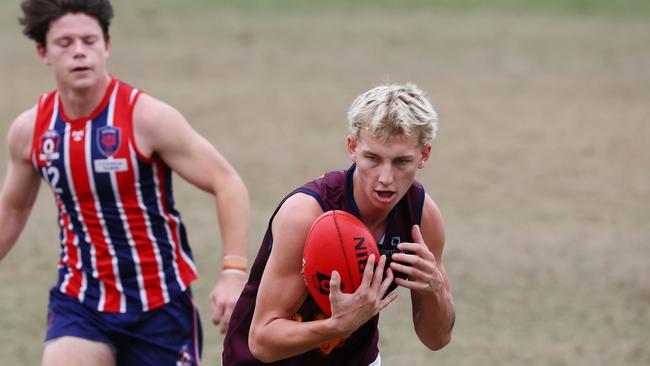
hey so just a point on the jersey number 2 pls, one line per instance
(53, 175)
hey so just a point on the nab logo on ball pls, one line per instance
(361, 252)
(337, 241)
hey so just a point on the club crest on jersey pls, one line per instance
(108, 140)
(49, 146)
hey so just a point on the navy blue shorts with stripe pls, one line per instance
(169, 335)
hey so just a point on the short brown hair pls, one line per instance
(39, 14)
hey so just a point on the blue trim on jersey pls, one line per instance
(169, 197)
(316, 196)
(349, 192)
(67, 203)
(165, 246)
(306, 191)
(171, 210)
(115, 225)
(420, 207)
(185, 246)
(117, 234)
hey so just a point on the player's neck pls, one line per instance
(79, 103)
(374, 218)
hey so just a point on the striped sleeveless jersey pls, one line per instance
(123, 245)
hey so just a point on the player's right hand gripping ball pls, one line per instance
(337, 241)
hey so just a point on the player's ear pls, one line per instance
(425, 154)
(352, 148)
(42, 53)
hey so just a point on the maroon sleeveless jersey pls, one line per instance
(333, 191)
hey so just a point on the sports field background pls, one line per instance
(541, 167)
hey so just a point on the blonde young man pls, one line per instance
(276, 321)
(108, 151)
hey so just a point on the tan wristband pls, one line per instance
(236, 262)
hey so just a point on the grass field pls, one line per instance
(541, 167)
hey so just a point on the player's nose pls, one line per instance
(79, 49)
(386, 175)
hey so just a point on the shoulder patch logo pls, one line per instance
(49, 146)
(108, 140)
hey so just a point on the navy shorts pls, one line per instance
(168, 335)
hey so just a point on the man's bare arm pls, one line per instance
(21, 182)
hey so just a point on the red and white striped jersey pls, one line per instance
(123, 245)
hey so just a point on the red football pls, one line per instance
(337, 241)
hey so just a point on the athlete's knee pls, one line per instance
(73, 351)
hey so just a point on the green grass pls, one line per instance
(617, 8)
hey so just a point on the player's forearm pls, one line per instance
(234, 214)
(434, 316)
(283, 338)
(12, 222)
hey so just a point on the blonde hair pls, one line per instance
(394, 110)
